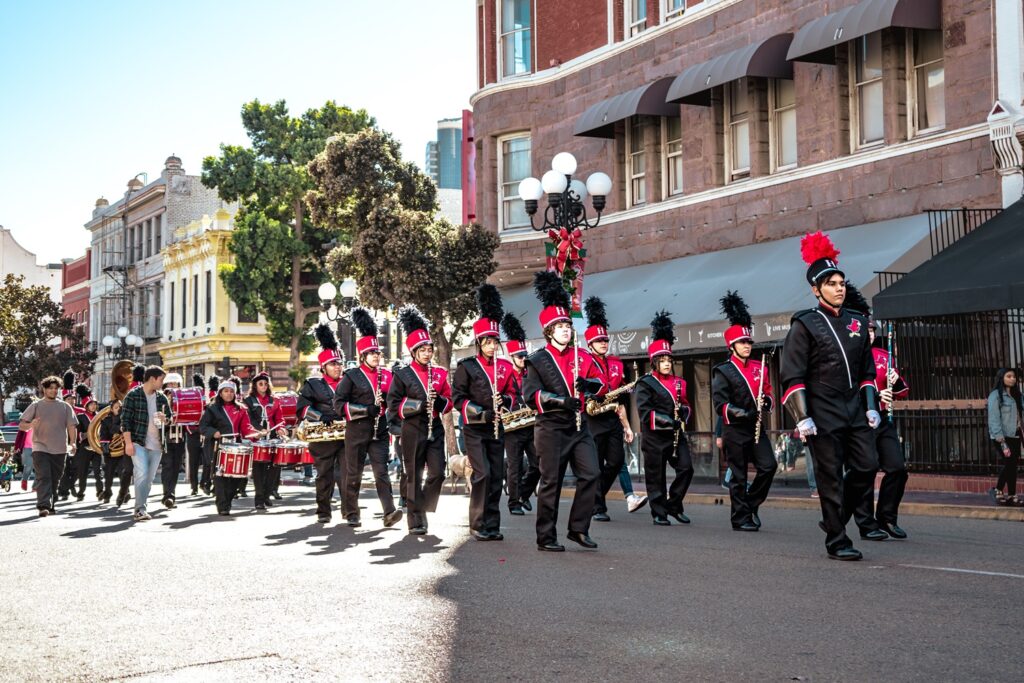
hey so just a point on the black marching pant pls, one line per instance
(224, 489)
(262, 481)
(66, 482)
(422, 493)
(356, 453)
(740, 452)
(656, 448)
(522, 482)
(611, 453)
(557, 446)
(48, 468)
(327, 456)
(845, 463)
(894, 481)
(487, 457)
(122, 468)
(170, 466)
(196, 457)
(87, 460)
(1008, 474)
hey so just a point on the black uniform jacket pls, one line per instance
(316, 401)
(656, 403)
(473, 392)
(407, 400)
(547, 387)
(355, 395)
(734, 389)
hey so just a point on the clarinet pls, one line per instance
(760, 395)
(430, 401)
(576, 376)
(378, 400)
(888, 366)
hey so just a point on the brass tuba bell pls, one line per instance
(120, 380)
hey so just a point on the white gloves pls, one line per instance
(885, 395)
(893, 376)
(874, 419)
(806, 427)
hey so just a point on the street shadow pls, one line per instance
(208, 518)
(328, 540)
(95, 531)
(407, 549)
(10, 522)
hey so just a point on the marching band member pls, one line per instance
(225, 417)
(519, 443)
(663, 408)
(317, 404)
(194, 444)
(213, 381)
(558, 379)
(891, 460)
(741, 392)
(119, 466)
(419, 396)
(265, 416)
(174, 447)
(362, 399)
(481, 390)
(612, 428)
(87, 459)
(828, 374)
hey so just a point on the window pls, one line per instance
(513, 166)
(636, 20)
(130, 249)
(672, 143)
(516, 47)
(783, 124)
(184, 303)
(157, 233)
(138, 243)
(195, 299)
(154, 320)
(245, 317)
(170, 307)
(867, 90)
(209, 297)
(927, 82)
(674, 8)
(636, 163)
(737, 130)
(149, 238)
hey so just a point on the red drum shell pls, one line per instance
(234, 460)
(307, 457)
(288, 401)
(263, 451)
(187, 406)
(289, 453)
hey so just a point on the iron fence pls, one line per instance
(946, 226)
(947, 441)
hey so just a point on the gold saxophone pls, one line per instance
(608, 403)
(314, 432)
(517, 419)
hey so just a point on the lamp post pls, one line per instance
(340, 311)
(124, 345)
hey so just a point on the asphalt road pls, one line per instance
(189, 596)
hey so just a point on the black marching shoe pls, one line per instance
(44, 512)
(583, 539)
(875, 535)
(392, 517)
(168, 503)
(497, 536)
(746, 526)
(679, 517)
(601, 517)
(518, 511)
(80, 497)
(224, 513)
(755, 519)
(276, 495)
(353, 521)
(260, 506)
(845, 554)
(418, 531)
(483, 535)
(893, 530)
(323, 519)
(526, 505)
(551, 547)
(269, 503)
(662, 521)
(194, 492)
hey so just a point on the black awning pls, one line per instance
(814, 42)
(766, 59)
(599, 120)
(980, 272)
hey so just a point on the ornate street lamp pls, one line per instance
(125, 345)
(565, 207)
(340, 311)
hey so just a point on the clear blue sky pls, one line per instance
(93, 92)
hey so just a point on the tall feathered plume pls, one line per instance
(549, 289)
(855, 300)
(325, 337)
(197, 380)
(735, 310)
(364, 322)
(488, 302)
(513, 328)
(213, 382)
(661, 327)
(593, 308)
(82, 390)
(410, 318)
(69, 380)
(817, 245)
(138, 372)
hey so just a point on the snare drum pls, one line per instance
(289, 453)
(234, 460)
(307, 457)
(187, 406)
(288, 401)
(263, 450)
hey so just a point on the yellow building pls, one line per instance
(201, 326)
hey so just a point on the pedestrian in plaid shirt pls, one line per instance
(143, 416)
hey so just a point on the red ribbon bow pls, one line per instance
(567, 244)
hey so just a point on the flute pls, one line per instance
(430, 401)
(888, 367)
(576, 376)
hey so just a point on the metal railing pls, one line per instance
(946, 226)
(887, 278)
(947, 441)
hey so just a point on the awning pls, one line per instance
(768, 275)
(980, 272)
(766, 59)
(599, 120)
(814, 42)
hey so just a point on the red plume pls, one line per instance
(817, 245)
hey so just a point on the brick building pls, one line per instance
(729, 129)
(75, 276)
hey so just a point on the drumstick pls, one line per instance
(279, 424)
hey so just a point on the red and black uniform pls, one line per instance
(408, 414)
(477, 382)
(607, 429)
(86, 458)
(66, 483)
(548, 389)
(316, 402)
(366, 434)
(264, 413)
(172, 461)
(120, 466)
(890, 454)
(225, 418)
(735, 385)
(663, 411)
(519, 443)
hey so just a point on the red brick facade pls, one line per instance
(830, 188)
(75, 290)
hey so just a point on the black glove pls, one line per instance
(106, 450)
(506, 402)
(373, 410)
(573, 404)
(326, 421)
(440, 403)
(736, 412)
(488, 416)
(677, 425)
(581, 384)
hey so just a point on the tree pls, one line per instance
(399, 251)
(278, 252)
(31, 326)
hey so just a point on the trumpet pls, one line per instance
(517, 419)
